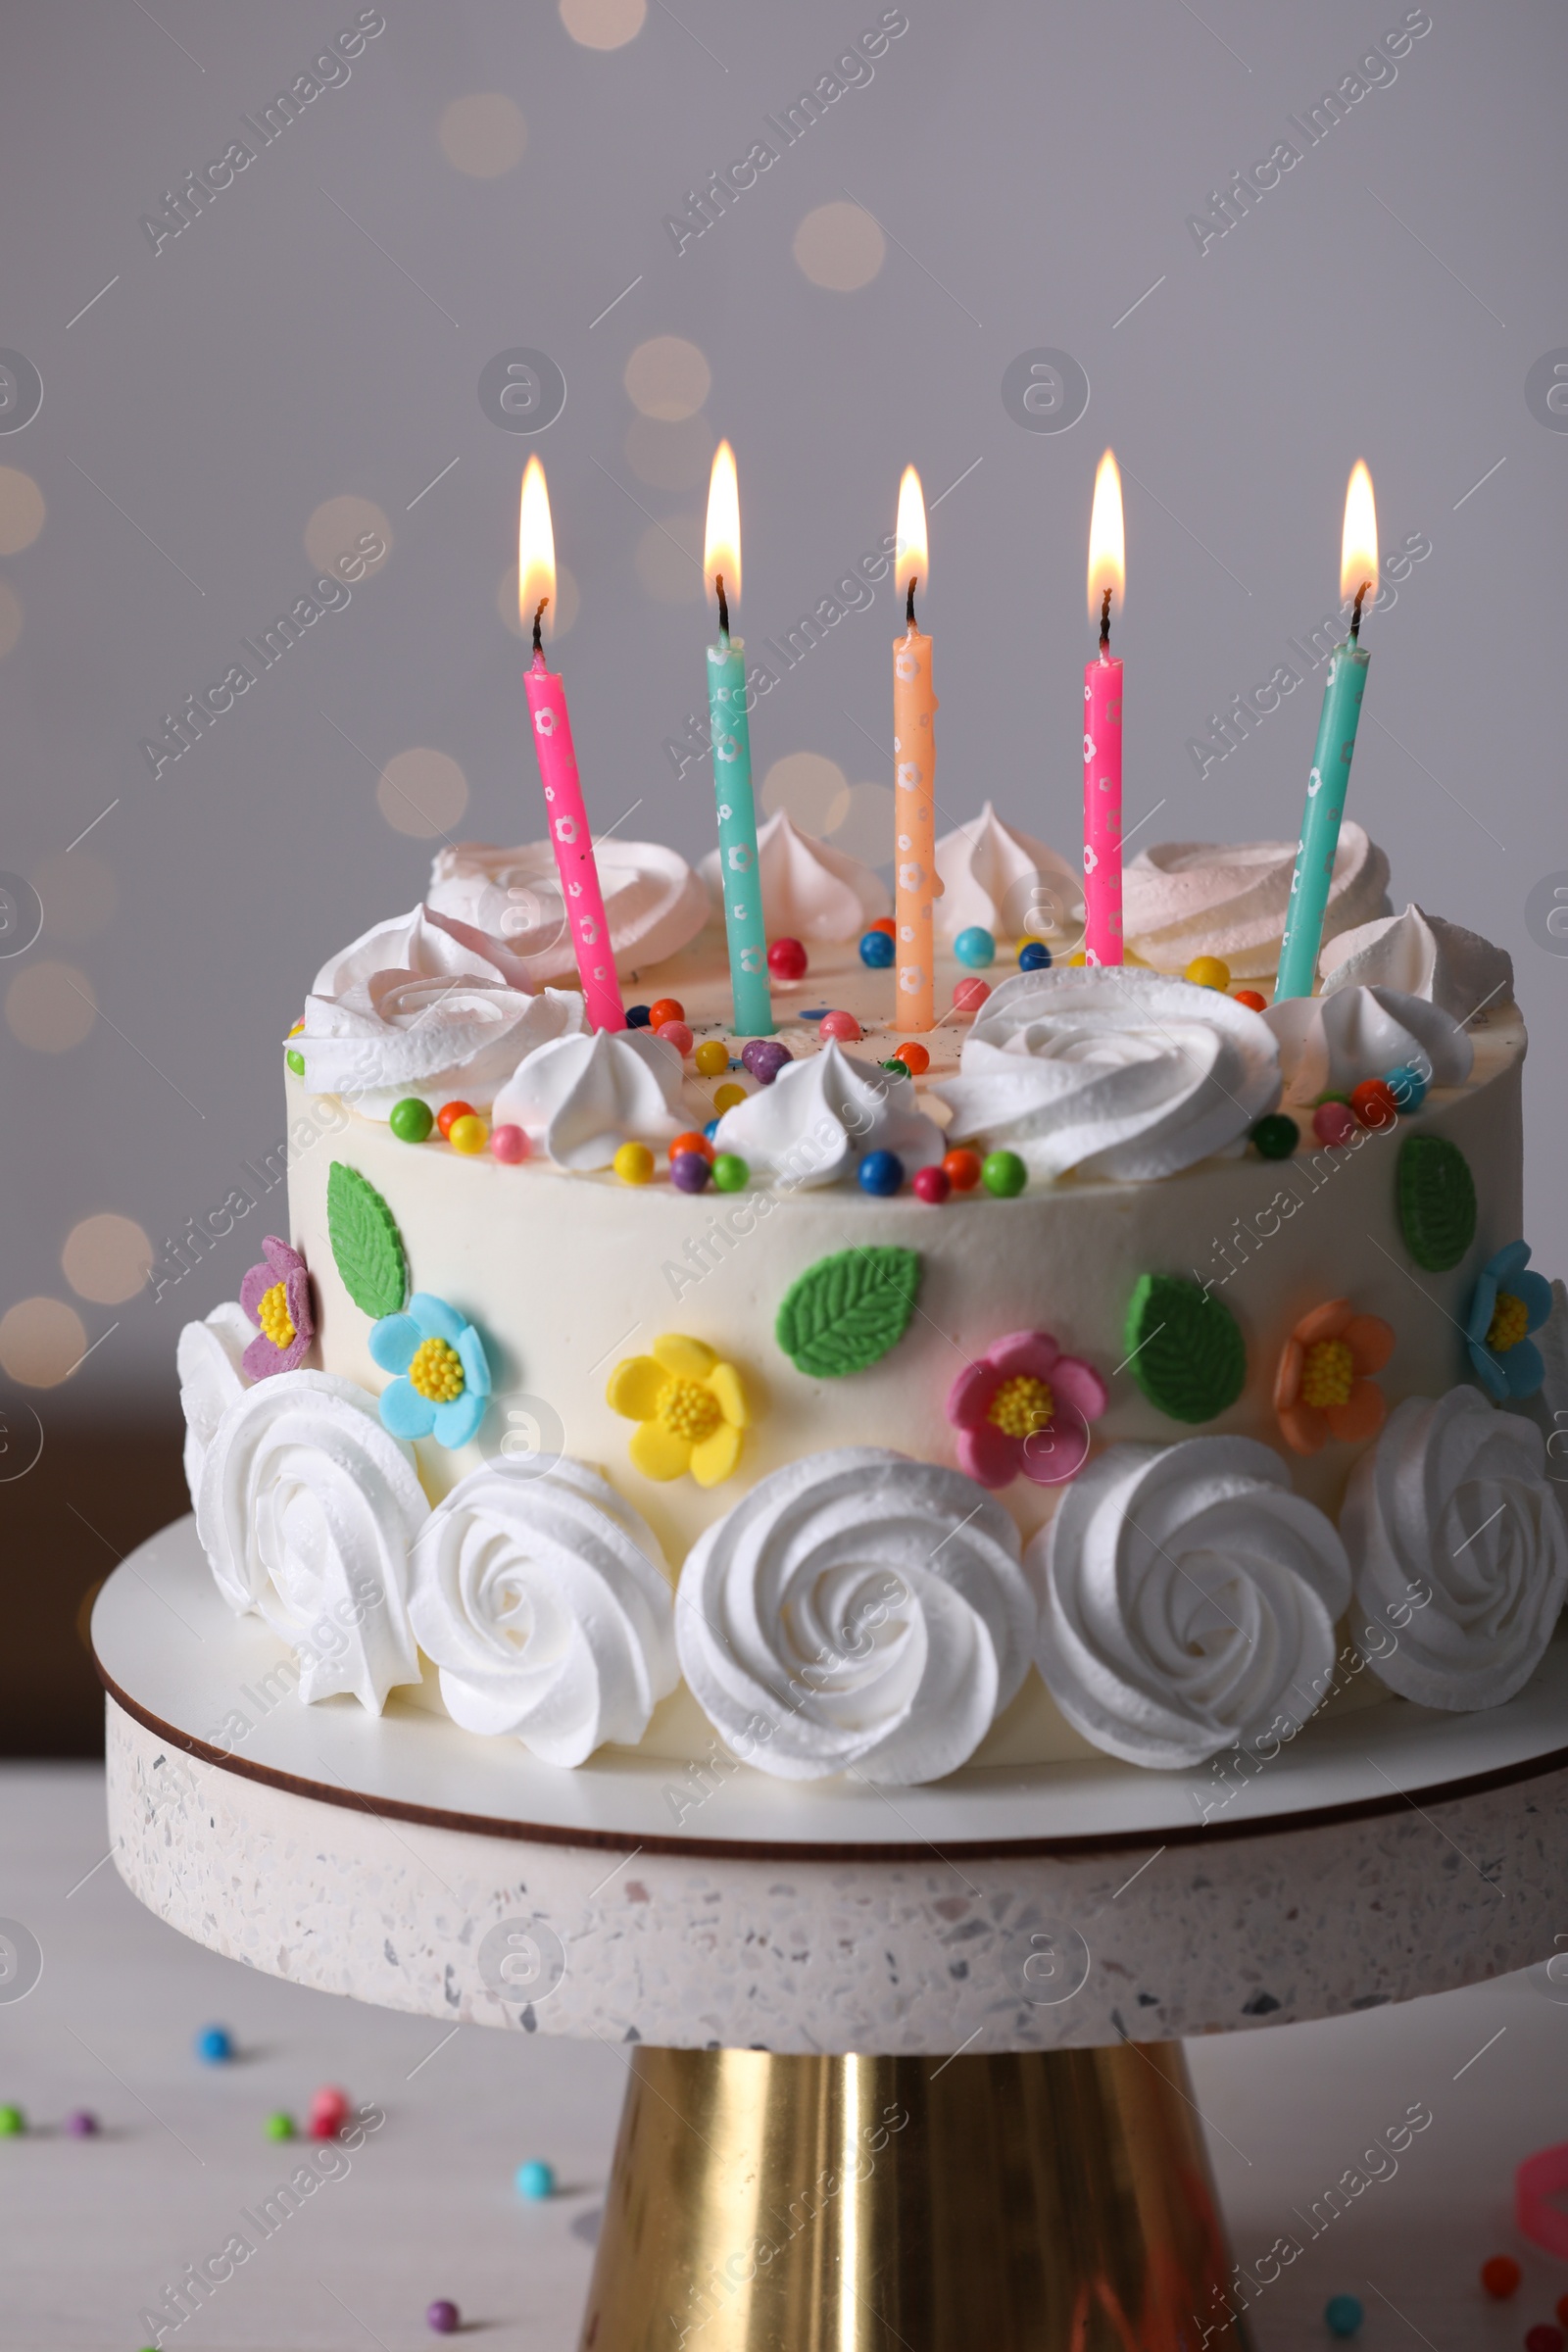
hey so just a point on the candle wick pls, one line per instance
(908, 604)
(1355, 616)
(538, 644)
(1105, 624)
(723, 607)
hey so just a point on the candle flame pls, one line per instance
(1359, 549)
(1107, 550)
(721, 546)
(536, 550)
(913, 557)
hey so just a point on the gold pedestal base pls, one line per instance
(1044, 2201)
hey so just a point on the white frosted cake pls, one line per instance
(1134, 1367)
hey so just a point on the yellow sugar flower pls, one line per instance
(689, 1408)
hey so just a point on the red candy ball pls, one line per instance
(692, 1142)
(667, 1009)
(842, 1025)
(1251, 999)
(915, 1057)
(676, 1034)
(1500, 2276)
(786, 959)
(932, 1185)
(509, 1144)
(885, 922)
(963, 1170)
(1373, 1103)
(447, 1117)
(969, 995)
(1334, 1124)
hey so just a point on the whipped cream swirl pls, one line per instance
(810, 889)
(402, 1033)
(211, 1377)
(1190, 1600)
(654, 904)
(579, 1099)
(821, 1115)
(856, 1611)
(424, 944)
(306, 1511)
(1419, 954)
(1458, 1550)
(1183, 899)
(1007, 883)
(543, 1602)
(1111, 1072)
(1329, 1044)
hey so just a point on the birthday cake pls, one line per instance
(1126, 1365)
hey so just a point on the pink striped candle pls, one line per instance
(1102, 938)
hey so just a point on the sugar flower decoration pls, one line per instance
(1324, 1386)
(1509, 1304)
(689, 1408)
(443, 1382)
(276, 1296)
(1024, 1409)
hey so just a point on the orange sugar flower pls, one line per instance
(1324, 1386)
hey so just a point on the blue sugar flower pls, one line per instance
(444, 1375)
(1509, 1304)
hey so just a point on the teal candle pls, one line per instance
(1320, 819)
(739, 873)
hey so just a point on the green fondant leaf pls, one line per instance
(366, 1242)
(1437, 1195)
(848, 1310)
(1185, 1349)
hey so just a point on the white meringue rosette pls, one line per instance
(653, 903)
(998, 879)
(811, 891)
(425, 944)
(579, 1099)
(1419, 954)
(821, 1115)
(1112, 1072)
(856, 1611)
(1331, 1042)
(306, 1511)
(1184, 899)
(542, 1600)
(211, 1377)
(404, 1033)
(1458, 1549)
(1190, 1600)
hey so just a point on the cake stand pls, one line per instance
(904, 2064)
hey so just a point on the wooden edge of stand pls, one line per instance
(738, 1849)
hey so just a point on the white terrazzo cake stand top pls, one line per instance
(1383, 1854)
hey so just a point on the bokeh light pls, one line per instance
(41, 1339)
(106, 1258)
(483, 136)
(422, 793)
(51, 1006)
(840, 245)
(667, 378)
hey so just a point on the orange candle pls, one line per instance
(915, 754)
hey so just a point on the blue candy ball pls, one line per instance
(881, 1173)
(637, 1015)
(212, 2044)
(711, 1129)
(536, 2179)
(1343, 2314)
(975, 946)
(1407, 1087)
(1034, 956)
(876, 951)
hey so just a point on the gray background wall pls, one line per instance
(319, 331)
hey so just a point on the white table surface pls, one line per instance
(90, 2229)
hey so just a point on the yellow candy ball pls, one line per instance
(634, 1163)
(711, 1057)
(1208, 971)
(727, 1096)
(471, 1134)
(1078, 957)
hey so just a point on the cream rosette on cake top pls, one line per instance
(579, 1099)
(1458, 1550)
(856, 1611)
(540, 1597)
(211, 1377)
(653, 903)
(1111, 1072)
(1184, 899)
(1000, 880)
(1190, 1600)
(810, 890)
(824, 1113)
(1331, 1042)
(1419, 954)
(306, 1511)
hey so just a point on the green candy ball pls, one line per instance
(1276, 1137)
(278, 2126)
(296, 1062)
(1004, 1174)
(730, 1173)
(411, 1121)
(12, 2120)
(897, 1068)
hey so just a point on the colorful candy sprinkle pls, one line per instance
(1276, 1137)
(975, 946)
(441, 2317)
(1501, 2276)
(712, 1056)
(469, 1134)
(876, 950)
(536, 2179)
(412, 1119)
(969, 995)
(1255, 1004)
(1373, 1103)
(931, 1185)
(296, 1062)
(961, 1170)
(447, 1117)
(81, 2123)
(1406, 1085)
(330, 2112)
(842, 1025)
(214, 2046)
(731, 1174)
(885, 922)
(1034, 956)
(689, 1171)
(1334, 1124)
(633, 1163)
(1004, 1174)
(666, 1009)
(898, 1067)
(915, 1057)
(12, 2122)
(278, 2126)
(677, 1034)
(690, 1141)
(509, 1144)
(1342, 2314)
(787, 959)
(764, 1057)
(1208, 971)
(639, 1016)
(881, 1173)
(726, 1098)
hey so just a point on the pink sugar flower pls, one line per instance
(1023, 1411)
(276, 1296)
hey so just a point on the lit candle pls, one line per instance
(914, 758)
(1330, 775)
(730, 732)
(1107, 578)
(569, 836)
